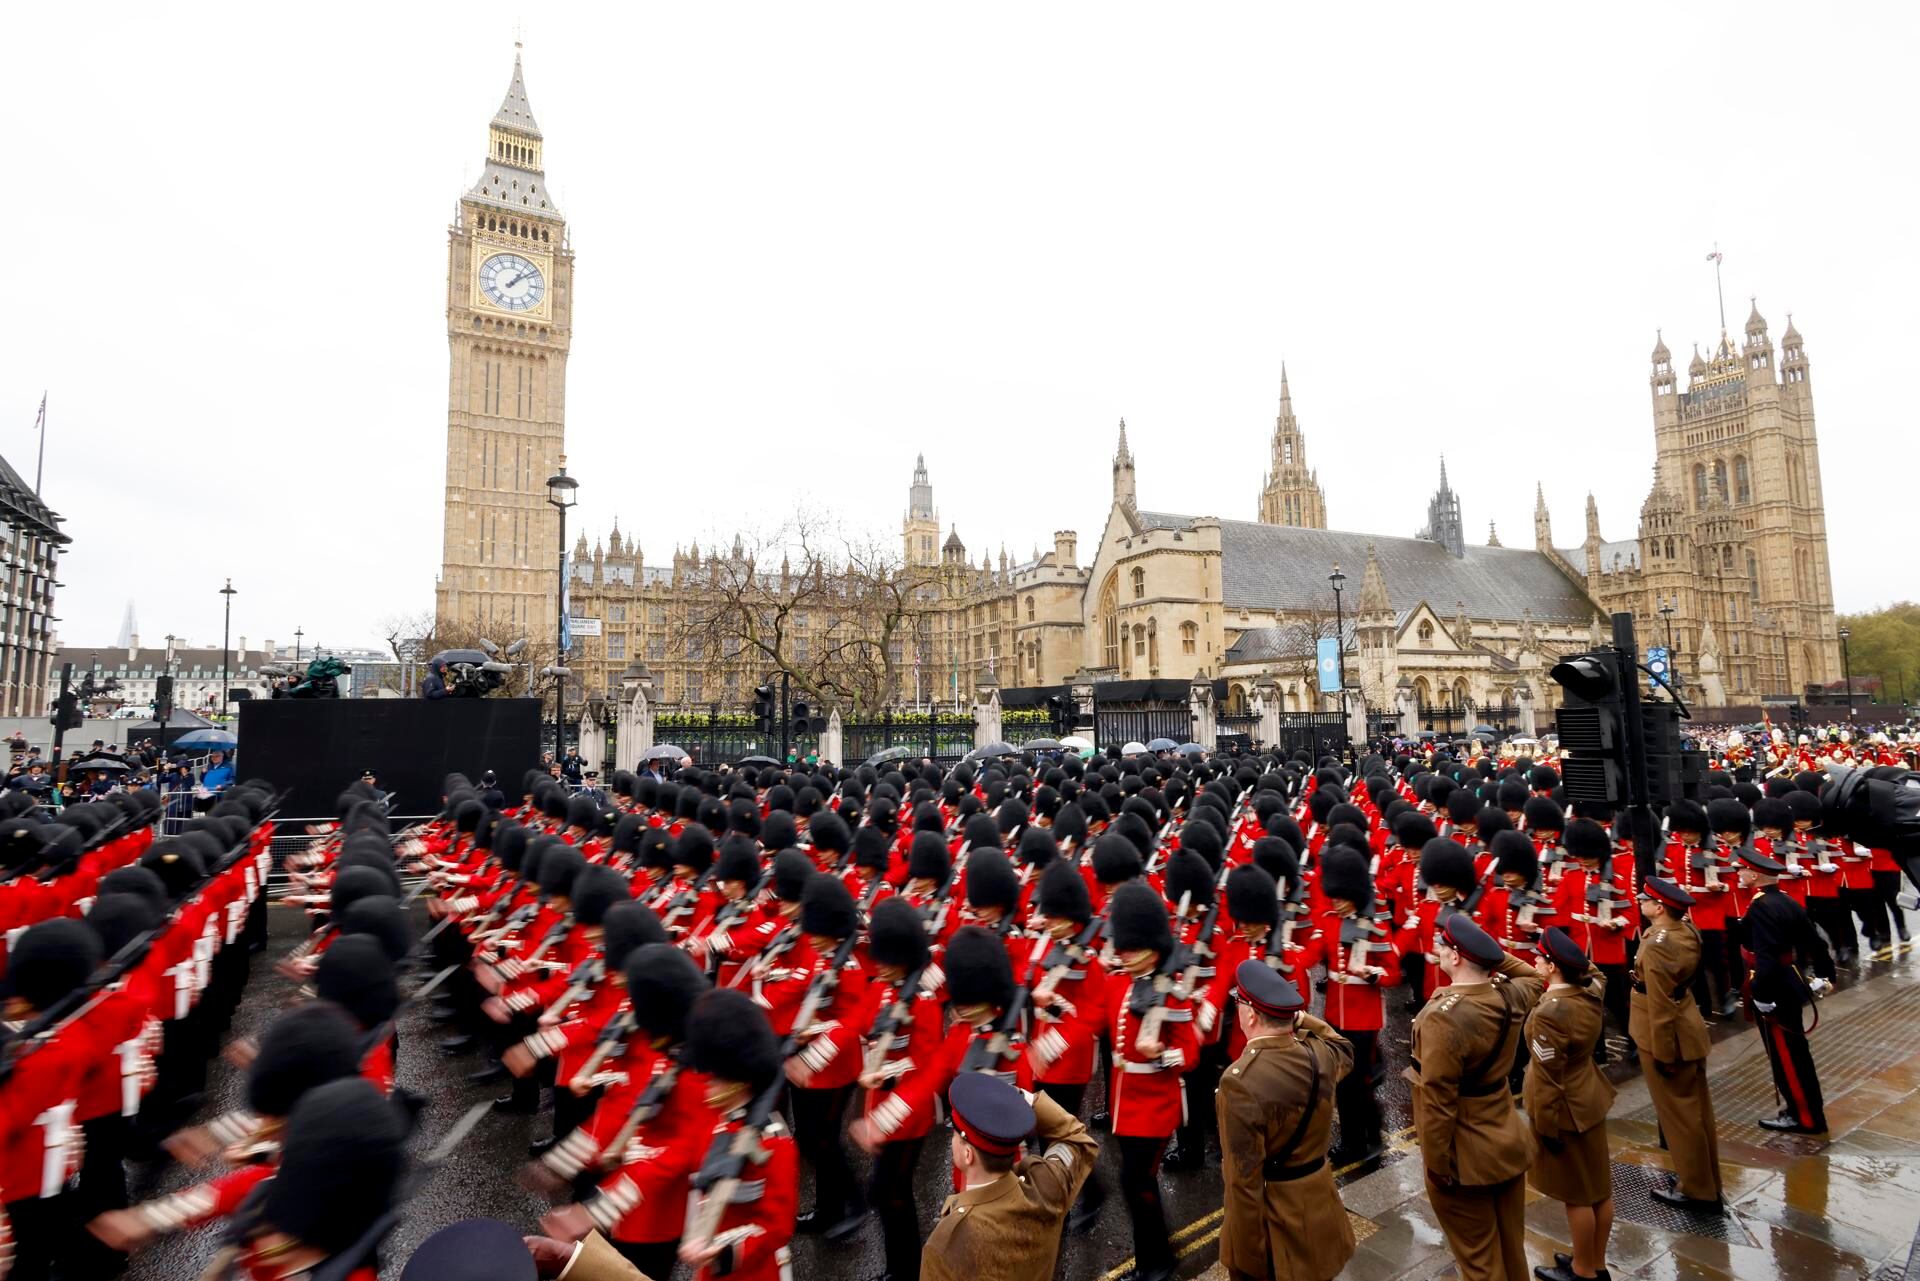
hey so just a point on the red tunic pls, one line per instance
(1354, 1001)
(1145, 1099)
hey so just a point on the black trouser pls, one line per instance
(1866, 904)
(1792, 1063)
(1616, 997)
(655, 1259)
(890, 1191)
(43, 1237)
(570, 1110)
(1736, 933)
(1199, 1085)
(1831, 915)
(1710, 980)
(1354, 1099)
(1140, 1188)
(1413, 973)
(1093, 1193)
(102, 1187)
(1887, 886)
(817, 1117)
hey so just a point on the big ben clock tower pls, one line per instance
(509, 322)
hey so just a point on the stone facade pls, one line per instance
(1733, 533)
(30, 548)
(509, 327)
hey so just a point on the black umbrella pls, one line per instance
(101, 762)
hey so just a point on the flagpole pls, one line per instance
(40, 425)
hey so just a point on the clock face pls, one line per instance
(512, 282)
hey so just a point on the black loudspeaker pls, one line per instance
(162, 698)
(313, 749)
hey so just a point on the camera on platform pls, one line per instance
(469, 673)
(1878, 808)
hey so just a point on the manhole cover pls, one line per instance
(1633, 1201)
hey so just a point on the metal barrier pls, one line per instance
(290, 835)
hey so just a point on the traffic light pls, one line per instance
(800, 723)
(1591, 725)
(763, 708)
(66, 711)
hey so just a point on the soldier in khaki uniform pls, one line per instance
(1567, 1098)
(1006, 1223)
(1472, 1140)
(1275, 1104)
(1666, 1025)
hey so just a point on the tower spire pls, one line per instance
(1123, 486)
(1718, 292)
(514, 113)
(1286, 397)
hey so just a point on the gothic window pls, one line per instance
(1426, 631)
(1139, 641)
(1029, 609)
(1669, 549)
(1189, 638)
(1422, 695)
(1720, 478)
(1742, 480)
(1699, 486)
(1726, 558)
(1460, 693)
(617, 645)
(1753, 577)
(1139, 577)
(656, 648)
(616, 613)
(1109, 622)
(1153, 643)
(696, 687)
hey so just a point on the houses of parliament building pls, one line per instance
(1730, 549)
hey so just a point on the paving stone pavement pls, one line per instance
(1843, 1207)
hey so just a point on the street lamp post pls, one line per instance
(297, 634)
(1667, 611)
(1339, 581)
(562, 493)
(226, 645)
(1846, 658)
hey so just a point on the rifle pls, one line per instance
(1600, 891)
(1527, 906)
(645, 1108)
(728, 1157)
(1293, 906)
(554, 934)
(1147, 997)
(732, 913)
(1479, 892)
(684, 901)
(1358, 933)
(886, 1028)
(1067, 953)
(1002, 1044)
(579, 983)
(943, 898)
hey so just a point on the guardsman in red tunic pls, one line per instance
(1069, 1002)
(1594, 904)
(1446, 869)
(1154, 1043)
(730, 1042)
(904, 1029)
(1696, 865)
(652, 1127)
(1812, 851)
(1400, 870)
(1355, 948)
(823, 1071)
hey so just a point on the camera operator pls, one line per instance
(435, 683)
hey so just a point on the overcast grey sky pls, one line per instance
(813, 240)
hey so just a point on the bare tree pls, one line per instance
(416, 637)
(835, 616)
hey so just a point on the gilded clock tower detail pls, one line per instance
(509, 324)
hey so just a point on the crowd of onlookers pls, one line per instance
(101, 770)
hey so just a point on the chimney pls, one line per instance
(240, 654)
(272, 651)
(1064, 541)
(133, 647)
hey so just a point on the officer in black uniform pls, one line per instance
(1779, 936)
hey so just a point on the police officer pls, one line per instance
(1667, 1026)
(1275, 1106)
(1778, 936)
(1475, 1146)
(1006, 1221)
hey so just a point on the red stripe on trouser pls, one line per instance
(1796, 1095)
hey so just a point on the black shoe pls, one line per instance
(514, 1105)
(540, 1147)
(488, 1074)
(1565, 1272)
(1182, 1157)
(443, 1014)
(1729, 1005)
(1099, 1120)
(454, 1046)
(1785, 1124)
(1901, 930)
(1138, 1274)
(1670, 1194)
(1561, 1261)
(809, 1224)
(847, 1228)
(1843, 956)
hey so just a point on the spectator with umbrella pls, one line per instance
(219, 775)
